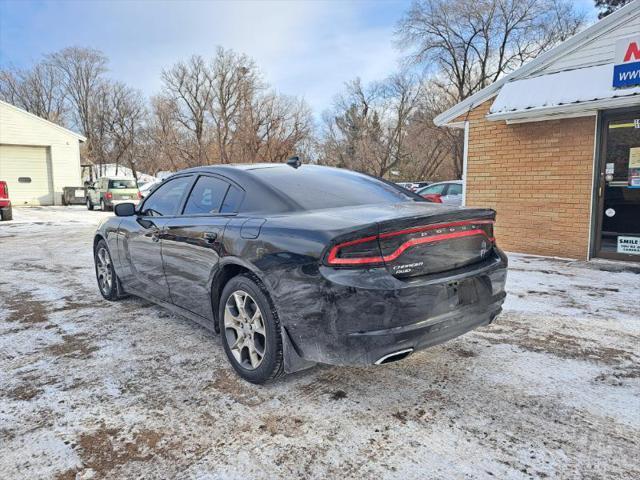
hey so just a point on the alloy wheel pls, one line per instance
(245, 331)
(103, 266)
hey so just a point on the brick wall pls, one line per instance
(538, 177)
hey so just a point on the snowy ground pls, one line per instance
(91, 389)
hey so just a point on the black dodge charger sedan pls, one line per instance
(301, 264)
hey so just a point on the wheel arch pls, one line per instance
(229, 268)
(97, 238)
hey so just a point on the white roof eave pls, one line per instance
(564, 111)
(573, 90)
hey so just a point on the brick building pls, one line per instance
(554, 147)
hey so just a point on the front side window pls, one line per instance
(433, 190)
(166, 199)
(206, 196)
(454, 189)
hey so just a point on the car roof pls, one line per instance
(242, 171)
(445, 182)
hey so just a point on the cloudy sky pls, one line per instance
(307, 48)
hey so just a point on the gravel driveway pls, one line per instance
(92, 389)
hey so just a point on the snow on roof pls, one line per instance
(571, 87)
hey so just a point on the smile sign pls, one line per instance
(626, 69)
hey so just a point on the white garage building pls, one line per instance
(37, 158)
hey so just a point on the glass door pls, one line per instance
(618, 228)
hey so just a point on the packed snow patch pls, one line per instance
(93, 389)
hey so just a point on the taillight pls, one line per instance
(4, 191)
(108, 195)
(433, 197)
(368, 251)
(363, 251)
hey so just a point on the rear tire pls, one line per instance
(250, 330)
(6, 213)
(108, 282)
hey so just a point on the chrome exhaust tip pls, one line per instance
(395, 356)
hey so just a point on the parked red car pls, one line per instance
(5, 203)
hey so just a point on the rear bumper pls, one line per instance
(356, 317)
(113, 203)
(367, 348)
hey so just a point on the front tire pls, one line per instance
(105, 273)
(89, 204)
(250, 330)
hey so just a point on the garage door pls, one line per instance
(27, 171)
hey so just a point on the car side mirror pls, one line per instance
(125, 210)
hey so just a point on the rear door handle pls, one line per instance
(210, 237)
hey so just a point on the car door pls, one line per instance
(453, 194)
(192, 242)
(140, 235)
(94, 196)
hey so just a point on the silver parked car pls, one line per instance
(447, 193)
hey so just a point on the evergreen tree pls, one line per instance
(607, 7)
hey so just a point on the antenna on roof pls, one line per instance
(294, 162)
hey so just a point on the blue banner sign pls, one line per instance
(626, 75)
(626, 68)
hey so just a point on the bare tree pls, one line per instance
(166, 142)
(117, 126)
(221, 111)
(188, 84)
(273, 128)
(37, 90)
(125, 121)
(236, 83)
(81, 70)
(468, 45)
(368, 129)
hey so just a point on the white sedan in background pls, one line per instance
(447, 193)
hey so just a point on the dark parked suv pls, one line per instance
(296, 265)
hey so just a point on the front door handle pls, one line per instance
(155, 235)
(210, 237)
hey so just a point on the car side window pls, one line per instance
(433, 189)
(206, 196)
(232, 200)
(166, 199)
(454, 189)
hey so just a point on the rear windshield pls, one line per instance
(118, 184)
(317, 187)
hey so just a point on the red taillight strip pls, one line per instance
(435, 226)
(333, 254)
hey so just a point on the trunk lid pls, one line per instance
(423, 246)
(414, 239)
